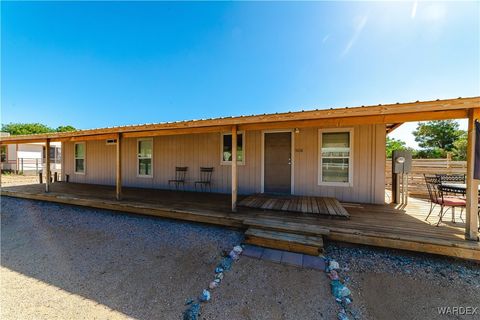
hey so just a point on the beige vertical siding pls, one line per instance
(199, 150)
(99, 163)
(192, 151)
(368, 171)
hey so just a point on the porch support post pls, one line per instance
(118, 168)
(62, 159)
(234, 169)
(16, 159)
(471, 225)
(47, 165)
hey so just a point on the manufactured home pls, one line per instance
(28, 158)
(328, 162)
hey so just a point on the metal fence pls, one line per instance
(31, 165)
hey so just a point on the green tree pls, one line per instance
(32, 128)
(431, 153)
(440, 134)
(25, 128)
(394, 144)
(460, 147)
(65, 128)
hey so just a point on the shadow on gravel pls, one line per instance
(140, 266)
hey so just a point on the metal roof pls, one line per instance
(380, 109)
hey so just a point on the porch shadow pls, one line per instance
(142, 267)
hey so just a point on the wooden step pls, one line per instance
(312, 245)
(286, 226)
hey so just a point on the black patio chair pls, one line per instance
(180, 177)
(453, 179)
(437, 197)
(205, 179)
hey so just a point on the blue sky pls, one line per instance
(96, 64)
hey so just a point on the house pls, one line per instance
(28, 158)
(335, 153)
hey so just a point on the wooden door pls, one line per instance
(278, 162)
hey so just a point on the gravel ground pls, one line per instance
(391, 284)
(66, 262)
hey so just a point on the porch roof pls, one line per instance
(390, 114)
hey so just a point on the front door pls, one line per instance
(278, 162)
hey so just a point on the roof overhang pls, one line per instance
(380, 114)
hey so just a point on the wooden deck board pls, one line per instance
(301, 204)
(378, 225)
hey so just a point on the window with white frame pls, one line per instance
(335, 154)
(144, 157)
(79, 154)
(226, 148)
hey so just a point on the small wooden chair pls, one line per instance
(205, 179)
(180, 177)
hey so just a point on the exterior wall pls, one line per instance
(203, 150)
(368, 166)
(99, 163)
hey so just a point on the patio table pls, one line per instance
(456, 188)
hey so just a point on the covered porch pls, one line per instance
(378, 225)
(146, 155)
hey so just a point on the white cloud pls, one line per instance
(435, 12)
(360, 24)
(414, 9)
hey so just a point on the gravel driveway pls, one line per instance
(66, 262)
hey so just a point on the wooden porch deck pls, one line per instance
(314, 205)
(377, 225)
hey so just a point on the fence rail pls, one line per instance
(30, 165)
(416, 181)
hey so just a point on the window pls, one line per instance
(3, 153)
(80, 157)
(335, 157)
(144, 157)
(110, 142)
(226, 148)
(53, 154)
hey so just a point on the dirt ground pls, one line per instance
(16, 180)
(66, 262)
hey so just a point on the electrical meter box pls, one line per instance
(401, 161)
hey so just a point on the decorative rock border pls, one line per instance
(331, 267)
(194, 309)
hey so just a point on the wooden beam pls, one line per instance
(16, 159)
(167, 132)
(393, 127)
(94, 137)
(47, 165)
(118, 168)
(471, 224)
(394, 110)
(234, 169)
(62, 169)
(351, 121)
